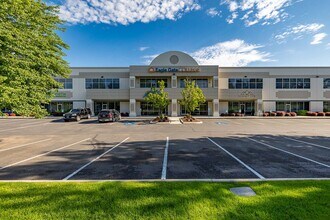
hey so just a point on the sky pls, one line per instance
(119, 33)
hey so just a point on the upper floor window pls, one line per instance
(293, 83)
(326, 83)
(245, 83)
(67, 83)
(102, 83)
(149, 83)
(201, 83)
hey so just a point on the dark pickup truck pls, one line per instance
(77, 114)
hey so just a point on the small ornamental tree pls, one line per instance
(192, 97)
(158, 98)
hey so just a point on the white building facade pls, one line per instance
(248, 90)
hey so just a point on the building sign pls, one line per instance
(173, 69)
(63, 94)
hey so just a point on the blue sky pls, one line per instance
(223, 32)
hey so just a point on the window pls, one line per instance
(326, 83)
(292, 106)
(293, 83)
(67, 83)
(201, 83)
(245, 83)
(149, 83)
(102, 83)
(326, 106)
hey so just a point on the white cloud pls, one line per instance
(124, 11)
(317, 38)
(231, 53)
(298, 31)
(143, 48)
(213, 12)
(255, 11)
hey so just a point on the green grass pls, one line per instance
(164, 200)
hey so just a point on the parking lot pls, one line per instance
(224, 149)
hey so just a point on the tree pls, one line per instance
(192, 96)
(158, 98)
(31, 55)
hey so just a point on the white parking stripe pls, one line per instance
(23, 145)
(12, 129)
(92, 161)
(165, 160)
(304, 142)
(241, 162)
(322, 164)
(40, 155)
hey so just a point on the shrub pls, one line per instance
(12, 114)
(265, 114)
(293, 114)
(280, 113)
(311, 114)
(232, 114)
(287, 114)
(327, 114)
(231, 111)
(273, 114)
(321, 114)
(302, 112)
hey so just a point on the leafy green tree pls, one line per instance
(192, 96)
(158, 98)
(31, 55)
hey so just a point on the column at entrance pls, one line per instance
(132, 108)
(174, 105)
(215, 107)
(90, 105)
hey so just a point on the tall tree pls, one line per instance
(31, 55)
(192, 96)
(158, 97)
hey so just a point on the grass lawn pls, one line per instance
(164, 200)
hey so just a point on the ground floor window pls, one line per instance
(202, 110)
(149, 109)
(326, 106)
(289, 106)
(246, 108)
(99, 105)
(56, 108)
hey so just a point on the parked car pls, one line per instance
(109, 115)
(77, 114)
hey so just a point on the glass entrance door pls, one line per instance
(242, 108)
(288, 107)
(60, 107)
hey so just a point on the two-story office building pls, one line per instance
(251, 90)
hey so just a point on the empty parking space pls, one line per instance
(316, 153)
(243, 148)
(198, 158)
(270, 162)
(136, 158)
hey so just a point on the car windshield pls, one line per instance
(75, 111)
(104, 112)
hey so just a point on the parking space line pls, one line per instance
(11, 129)
(238, 160)
(40, 155)
(304, 142)
(302, 157)
(23, 145)
(92, 161)
(165, 160)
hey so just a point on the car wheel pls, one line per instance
(66, 120)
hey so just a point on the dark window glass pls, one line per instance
(326, 83)
(300, 83)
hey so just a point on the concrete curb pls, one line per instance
(170, 180)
